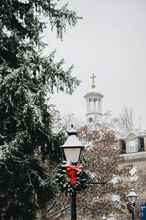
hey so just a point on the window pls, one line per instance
(122, 147)
(141, 144)
(90, 120)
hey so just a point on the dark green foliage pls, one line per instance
(21, 22)
(26, 78)
(83, 180)
(24, 187)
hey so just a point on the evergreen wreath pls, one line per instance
(63, 180)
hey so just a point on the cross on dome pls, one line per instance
(93, 80)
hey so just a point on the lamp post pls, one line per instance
(72, 150)
(132, 196)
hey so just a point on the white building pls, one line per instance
(130, 141)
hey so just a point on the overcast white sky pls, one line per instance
(109, 41)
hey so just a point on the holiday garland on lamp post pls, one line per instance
(71, 176)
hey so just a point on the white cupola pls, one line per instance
(93, 104)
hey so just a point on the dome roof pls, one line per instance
(93, 93)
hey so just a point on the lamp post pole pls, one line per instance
(133, 214)
(73, 205)
(131, 209)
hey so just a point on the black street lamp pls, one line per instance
(72, 150)
(132, 196)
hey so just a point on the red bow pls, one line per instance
(72, 171)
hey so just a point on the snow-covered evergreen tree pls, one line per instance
(26, 76)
